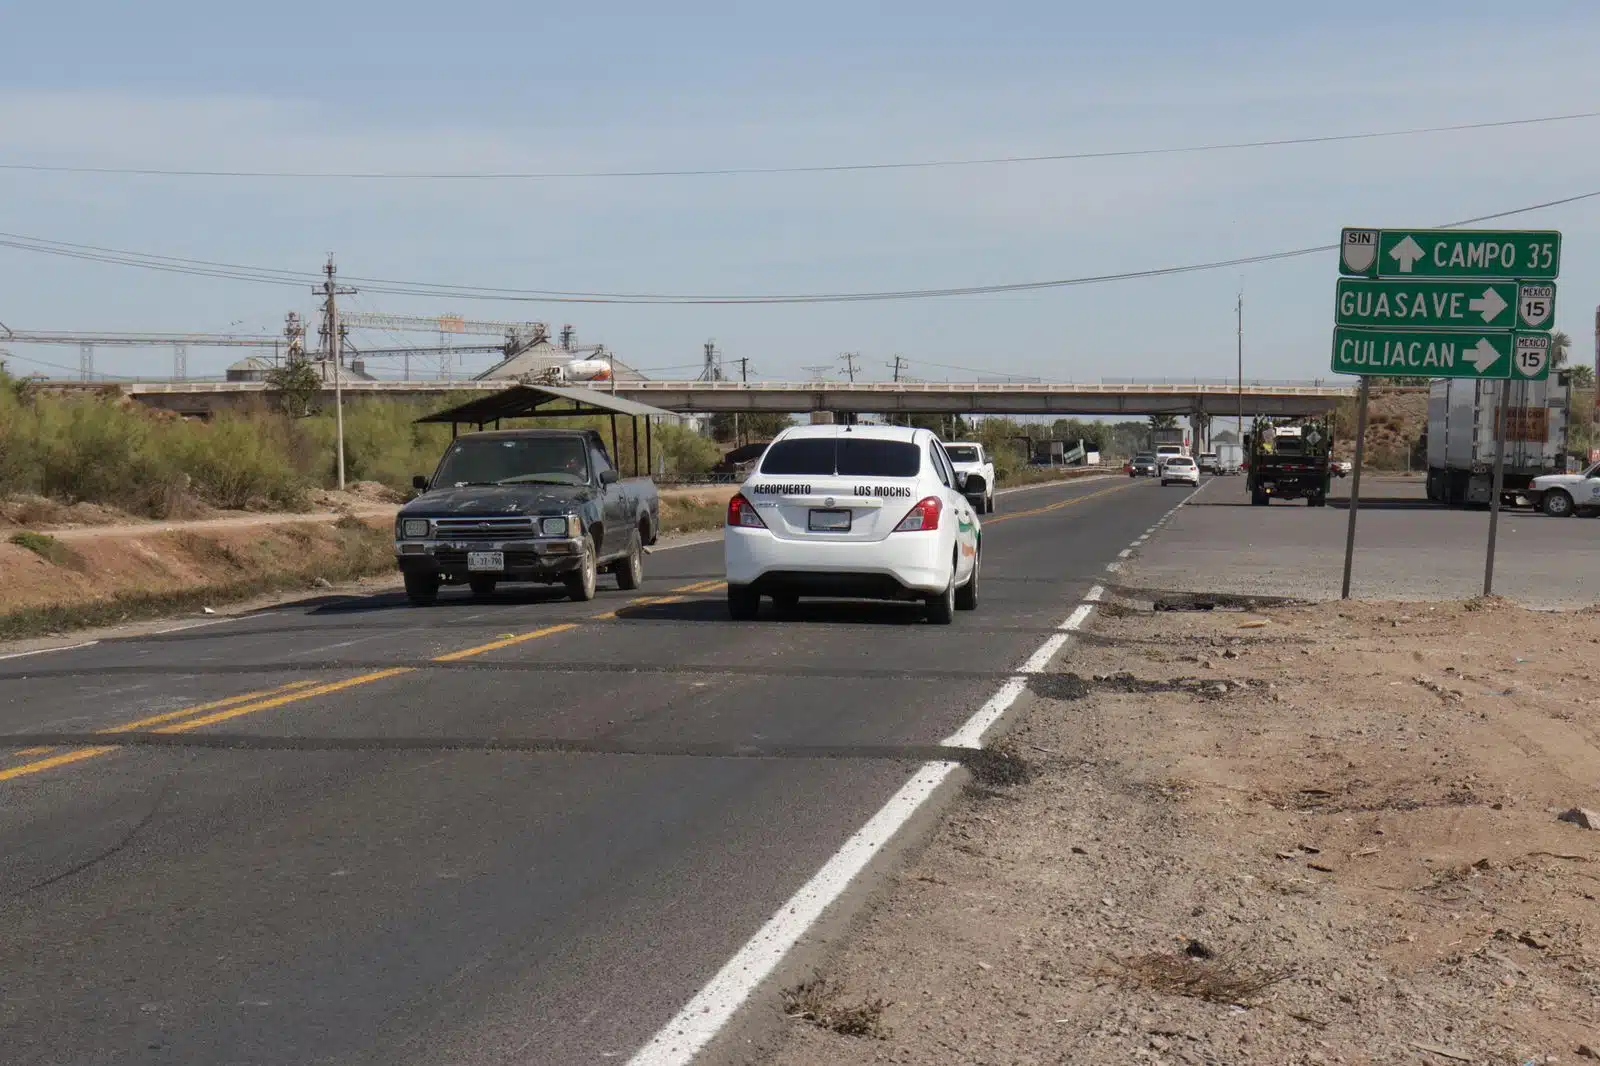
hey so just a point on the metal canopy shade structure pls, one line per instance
(528, 401)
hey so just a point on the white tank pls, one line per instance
(588, 370)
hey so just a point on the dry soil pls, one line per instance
(1329, 838)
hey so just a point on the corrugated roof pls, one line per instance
(525, 401)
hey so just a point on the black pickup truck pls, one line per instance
(539, 505)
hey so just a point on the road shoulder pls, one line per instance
(1238, 848)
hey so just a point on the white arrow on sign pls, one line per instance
(1482, 355)
(1489, 305)
(1406, 253)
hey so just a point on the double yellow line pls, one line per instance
(224, 710)
(1058, 505)
(218, 711)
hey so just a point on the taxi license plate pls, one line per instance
(830, 521)
(486, 560)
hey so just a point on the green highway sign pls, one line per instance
(1529, 255)
(1481, 305)
(1489, 355)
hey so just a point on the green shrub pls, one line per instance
(45, 547)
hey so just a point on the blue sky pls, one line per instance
(564, 86)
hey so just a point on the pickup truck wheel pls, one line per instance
(1557, 504)
(744, 603)
(482, 587)
(422, 589)
(580, 583)
(941, 608)
(630, 572)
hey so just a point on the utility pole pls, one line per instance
(331, 290)
(1239, 311)
(849, 361)
(744, 378)
(898, 365)
(180, 362)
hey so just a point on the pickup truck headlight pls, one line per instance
(414, 528)
(565, 526)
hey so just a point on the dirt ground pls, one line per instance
(1330, 838)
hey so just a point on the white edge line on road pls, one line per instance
(1113, 568)
(45, 651)
(1124, 553)
(693, 1027)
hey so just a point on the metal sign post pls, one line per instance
(1355, 484)
(1499, 483)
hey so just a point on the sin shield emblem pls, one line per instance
(1359, 250)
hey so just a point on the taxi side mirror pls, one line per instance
(961, 480)
(419, 482)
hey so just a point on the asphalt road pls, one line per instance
(521, 831)
(1406, 548)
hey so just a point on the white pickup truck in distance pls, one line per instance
(969, 458)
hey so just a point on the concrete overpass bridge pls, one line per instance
(1205, 400)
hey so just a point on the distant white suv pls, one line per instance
(1181, 469)
(870, 512)
(969, 458)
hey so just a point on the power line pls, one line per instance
(273, 276)
(831, 168)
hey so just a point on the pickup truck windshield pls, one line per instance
(524, 460)
(861, 456)
(962, 453)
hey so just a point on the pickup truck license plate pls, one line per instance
(830, 521)
(486, 560)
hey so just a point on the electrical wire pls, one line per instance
(272, 276)
(98, 375)
(833, 168)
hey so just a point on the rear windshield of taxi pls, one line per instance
(852, 456)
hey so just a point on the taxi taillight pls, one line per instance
(741, 512)
(925, 515)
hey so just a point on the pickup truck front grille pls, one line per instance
(494, 528)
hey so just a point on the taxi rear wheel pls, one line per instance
(744, 603)
(941, 608)
(967, 595)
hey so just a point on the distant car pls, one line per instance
(1143, 466)
(1180, 469)
(1339, 467)
(861, 512)
(1209, 463)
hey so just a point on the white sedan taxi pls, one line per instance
(861, 512)
(1180, 470)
